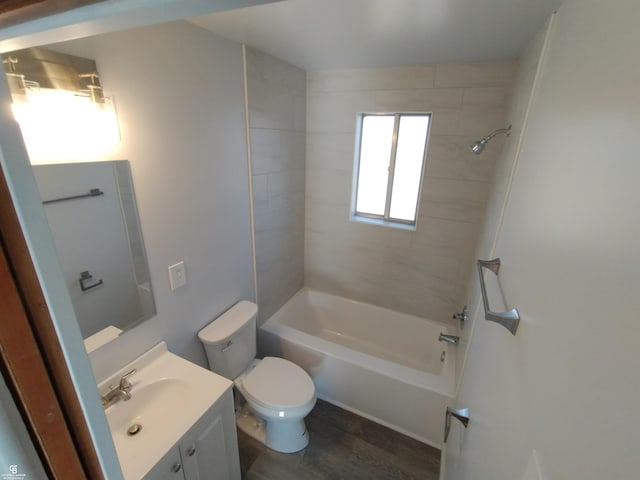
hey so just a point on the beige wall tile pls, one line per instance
(279, 73)
(336, 111)
(275, 107)
(286, 181)
(459, 200)
(332, 151)
(444, 238)
(287, 220)
(276, 150)
(364, 233)
(277, 119)
(419, 272)
(272, 294)
(334, 250)
(326, 217)
(371, 79)
(422, 100)
(449, 156)
(329, 186)
(276, 91)
(445, 121)
(409, 270)
(475, 74)
(480, 123)
(486, 98)
(278, 246)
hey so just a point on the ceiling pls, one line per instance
(326, 34)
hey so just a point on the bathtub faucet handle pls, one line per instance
(461, 316)
(461, 414)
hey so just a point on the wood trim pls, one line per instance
(17, 11)
(24, 369)
(33, 361)
(12, 5)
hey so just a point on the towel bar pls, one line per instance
(509, 320)
(94, 192)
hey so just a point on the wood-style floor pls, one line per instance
(342, 446)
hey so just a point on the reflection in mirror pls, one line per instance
(93, 216)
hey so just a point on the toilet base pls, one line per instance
(253, 426)
(281, 436)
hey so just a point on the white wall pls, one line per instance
(423, 272)
(276, 96)
(180, 101)
(565, 387)
(519, 102)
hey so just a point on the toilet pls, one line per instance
(278, 393)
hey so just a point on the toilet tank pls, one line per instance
(230, 340)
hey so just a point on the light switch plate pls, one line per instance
(177, 275)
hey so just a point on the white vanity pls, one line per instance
(178, 422)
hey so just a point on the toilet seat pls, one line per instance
(276, 383)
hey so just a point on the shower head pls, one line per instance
(478, 146)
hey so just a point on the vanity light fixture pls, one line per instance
(60, 105)
(18, 84)
(94, 89)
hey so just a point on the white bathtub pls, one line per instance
(381, 364)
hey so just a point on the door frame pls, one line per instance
(32, 360)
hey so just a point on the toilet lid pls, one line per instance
(276, 382)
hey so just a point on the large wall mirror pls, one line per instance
(92, 213)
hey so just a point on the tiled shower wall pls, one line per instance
(276, 94)
(422, 272)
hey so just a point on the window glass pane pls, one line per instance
(375, 154)
(412, 137)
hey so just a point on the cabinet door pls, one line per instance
(169, 468)
(210, 450)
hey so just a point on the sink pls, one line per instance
(168, 396)
(149, 407)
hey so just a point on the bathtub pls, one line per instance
(383, 365)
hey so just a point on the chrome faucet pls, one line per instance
(461, 316)
(453, 339)
(123, 392)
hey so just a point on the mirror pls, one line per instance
(93, 216)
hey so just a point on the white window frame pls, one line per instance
(386, 219)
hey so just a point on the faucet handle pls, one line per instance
(461, 316)
(124, 382)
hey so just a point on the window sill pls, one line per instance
(382, 223)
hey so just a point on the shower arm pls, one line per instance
(497, 132)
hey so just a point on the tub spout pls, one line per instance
(453, 339)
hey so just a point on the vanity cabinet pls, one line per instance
(168, 468)
(208, 451)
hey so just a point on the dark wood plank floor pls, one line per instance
(342, 446)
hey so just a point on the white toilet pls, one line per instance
(279, 394)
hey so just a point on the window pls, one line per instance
(390, 155)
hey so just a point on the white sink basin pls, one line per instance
(168, 396)
(149, 409)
